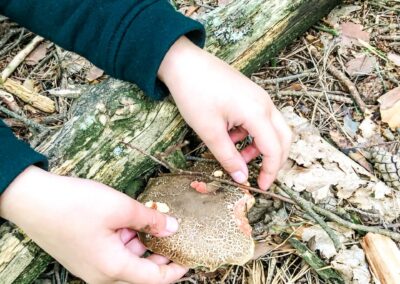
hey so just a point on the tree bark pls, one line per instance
(245, 34)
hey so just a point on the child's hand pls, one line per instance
(89, 227)
(223, 107)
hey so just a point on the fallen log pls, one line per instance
(245, 34)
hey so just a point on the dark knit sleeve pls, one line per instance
(126, 38)
(15, 156)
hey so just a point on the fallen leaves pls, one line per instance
(361, 65)
(352, 265)
(395, 58)
(390, 108)
(317, 165)
(94, 73)
(37, 54)
(341, 12)
(353, 33)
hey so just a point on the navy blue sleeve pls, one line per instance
(15, 156)
(126, 38)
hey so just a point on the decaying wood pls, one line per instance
(36, 100)
(383, 256)
(245, 33)
(21, 260)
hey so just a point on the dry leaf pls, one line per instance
(390, 98)
(351, 33)
(368, 128)
(94, 73)
(321, 164)
(352, 265)
(37, 54)
(320, 241)
(361, 65)
(395, 58)
(341, 12)
(390, 108)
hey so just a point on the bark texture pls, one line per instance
(245, 33)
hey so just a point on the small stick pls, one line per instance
(314, 94)
(7, 36)
(307, 206)
(307, 73)
(25, 120)
(346, 82)
(179, 172)
(333, 217)
(20, 57)
(14, 44)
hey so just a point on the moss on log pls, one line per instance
(245, 33)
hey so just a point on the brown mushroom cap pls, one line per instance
(213, 227)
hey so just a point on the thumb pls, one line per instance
(147, 220)
(225, 152)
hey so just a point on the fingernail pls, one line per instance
(239, 177)
(172, 224)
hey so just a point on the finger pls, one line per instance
(142, 270)
(284, 133)
(140, 218)
(224, 150)
(158, 259)
(126, 235)
(250, 152)
(267, 142)
(238, 134)
(136, 247)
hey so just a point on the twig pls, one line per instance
(346, 82)
(198, 159)
(40, 64)
(17, 60)
(359, 211)
(14, 44)
(333, 217)
(9, 35)
(307, 73)
(171, 149)
(314, 94)
(25, 120)
(307, 206)
(180, 172)
(326, 213)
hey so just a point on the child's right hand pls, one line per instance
(89, 227)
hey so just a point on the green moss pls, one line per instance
(84, 138)
(177, 159)
(34, 269)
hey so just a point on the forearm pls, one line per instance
(13, 200)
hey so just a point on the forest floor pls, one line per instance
(348, 87)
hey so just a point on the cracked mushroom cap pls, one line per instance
(213, 230)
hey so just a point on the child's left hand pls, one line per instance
(223, 107)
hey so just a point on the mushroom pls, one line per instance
(213, 227)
